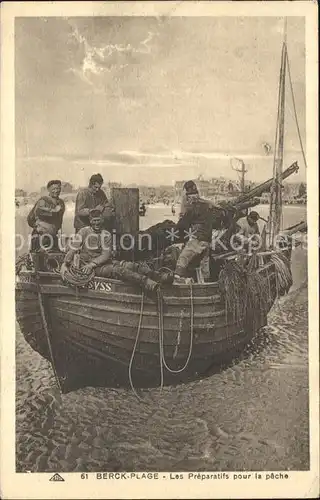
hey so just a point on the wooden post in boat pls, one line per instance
(126, 206)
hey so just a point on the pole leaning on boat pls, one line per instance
(47, 333)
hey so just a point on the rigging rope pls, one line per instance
(295, 111)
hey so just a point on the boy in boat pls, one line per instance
(196, 218)
(89, 198)
(95, 247)
(46, 218)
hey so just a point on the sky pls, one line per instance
(152, 100)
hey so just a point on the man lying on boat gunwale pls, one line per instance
(94, 245)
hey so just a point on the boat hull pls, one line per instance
(93, 332)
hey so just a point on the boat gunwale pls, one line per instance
(214, 285)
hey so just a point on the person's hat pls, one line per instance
(96, 178)
(53, 182)
(94, 212)
(190, 187)
(254, 215)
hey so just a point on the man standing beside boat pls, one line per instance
(89, 198)
(46, 218)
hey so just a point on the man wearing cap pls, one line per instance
(46, 218)
(197, 220)
(248, 226)
(187, 188)
(89, 198)
(94, 244)
(247, 232)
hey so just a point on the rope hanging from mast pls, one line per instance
(275, 214)
(295, 111)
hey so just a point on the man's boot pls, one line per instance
(150, 287)
(180, 280)
(165, 277)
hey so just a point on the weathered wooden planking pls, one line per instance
(143, 360)
(107, 340)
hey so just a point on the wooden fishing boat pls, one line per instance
(111, 334)
(95, 332)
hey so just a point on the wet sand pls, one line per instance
(250, 416)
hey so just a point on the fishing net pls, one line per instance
(246, 294)
(232, 285)
(256, 301)
(283, 273)
(24, 261)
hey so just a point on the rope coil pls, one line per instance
(75, 276)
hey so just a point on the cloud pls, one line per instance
(184, 155)
(98, 60)
(43, 158)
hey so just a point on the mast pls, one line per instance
(275, 217)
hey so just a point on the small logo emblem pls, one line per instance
(56, 477)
